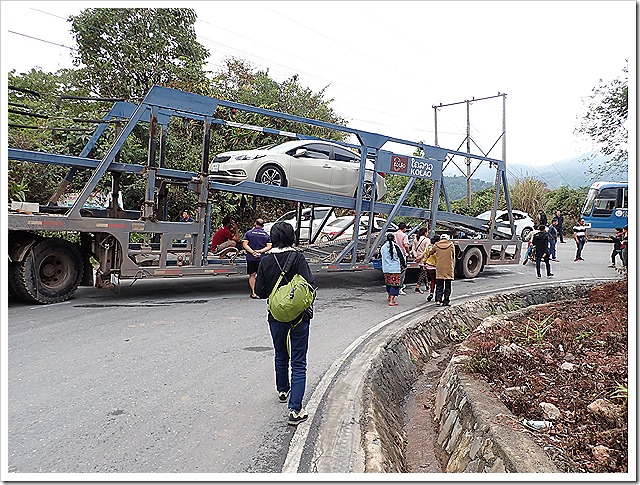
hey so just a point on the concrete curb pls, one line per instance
(358, 425)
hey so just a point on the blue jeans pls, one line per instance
(299, 346)
(552, 249)
(579, 247)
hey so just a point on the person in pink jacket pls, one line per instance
(445, 259)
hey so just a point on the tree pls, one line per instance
(125, 51)
(605, 123)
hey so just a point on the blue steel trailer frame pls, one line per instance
(161, 104)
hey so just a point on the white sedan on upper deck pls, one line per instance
(313, 165)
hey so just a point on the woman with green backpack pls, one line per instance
(291, 338)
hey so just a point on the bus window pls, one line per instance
(605, 202)
(625, 198)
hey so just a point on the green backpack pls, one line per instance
(287, 302)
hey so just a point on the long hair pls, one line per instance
(282, 235)
(390, 239)
(423, 232)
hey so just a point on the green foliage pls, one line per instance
(529, 195)
(125, 51)
(620, 392)
(18, 190)
(567, 200)
(604, 121)
(460, 334)
(535, 331)
(481, 201)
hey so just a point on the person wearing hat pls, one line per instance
(445, 258)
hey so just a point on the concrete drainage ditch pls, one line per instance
(475, 432)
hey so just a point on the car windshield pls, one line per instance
(341, 223)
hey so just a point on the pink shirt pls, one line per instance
(402, 240)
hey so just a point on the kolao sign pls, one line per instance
(428, 168)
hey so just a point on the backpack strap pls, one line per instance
(283, 270)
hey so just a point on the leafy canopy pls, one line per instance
(125, 51)
(605, 123)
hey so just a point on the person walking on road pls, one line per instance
(541, 243)
(402, 240)
(617, 246)
(393, 264)
(560, 228)
(580, 237)
(445, 259)
(418, 248)
(290, 340)
(256, 242)
(553, 238)
(625, 247)
(430, 265)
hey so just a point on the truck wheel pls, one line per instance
(50, 273)
(12, 270)
(472, 263)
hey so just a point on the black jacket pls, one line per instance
(269, 272)
(541, 242)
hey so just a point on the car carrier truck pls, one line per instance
(45, 267)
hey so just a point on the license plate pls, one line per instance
(215, 167)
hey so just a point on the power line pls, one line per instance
(41, 40)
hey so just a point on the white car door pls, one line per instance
(346, 171)
(312, 170)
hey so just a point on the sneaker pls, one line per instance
(438, 303)
(555, 260)
(577, 259)
(612, 266)
(401, 292)
(550, 275)
(283, 396)
(296, 418)
(430, 297)
(539, 276)
(581, 259)
(525, 261)
(419, 290)
(446, 303)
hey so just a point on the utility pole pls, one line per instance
(468, 173)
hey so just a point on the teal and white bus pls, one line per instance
(606, 207)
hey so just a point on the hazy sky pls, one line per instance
(387, 63)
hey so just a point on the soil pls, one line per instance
(572, 355)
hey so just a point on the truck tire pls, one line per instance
(50, 273)
(472, 263)
(12, 270)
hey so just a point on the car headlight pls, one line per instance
(250, 156)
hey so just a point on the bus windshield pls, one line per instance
(591, 196)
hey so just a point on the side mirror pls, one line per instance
(300, 152)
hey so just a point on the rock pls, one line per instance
(568, 366)
(606, 410)
(602, 454)
(515, 392)
(550, 411)
(569, 357)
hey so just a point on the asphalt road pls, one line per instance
(176, 376)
